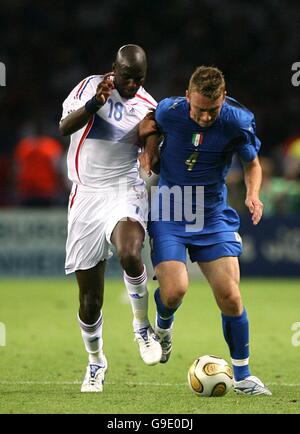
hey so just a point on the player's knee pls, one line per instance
(231, 303)
(129, 255)
(174, 296)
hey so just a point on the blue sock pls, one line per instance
(164, 315)
(236, 333)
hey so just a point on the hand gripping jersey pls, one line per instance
(103, 154)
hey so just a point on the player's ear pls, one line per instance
(187, 95)
(114, 67)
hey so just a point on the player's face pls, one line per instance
(204, 110)
(128, 79)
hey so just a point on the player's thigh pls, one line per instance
(172, 277)
(166, 245)
(128, 235)
(223, 275)
(126, 225)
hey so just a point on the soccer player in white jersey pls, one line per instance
(108, 202)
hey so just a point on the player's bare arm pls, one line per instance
(150, 156)
(79, 118)
(147, 126)
(151, 137)
(253, 176)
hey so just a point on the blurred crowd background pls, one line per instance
(49, 46)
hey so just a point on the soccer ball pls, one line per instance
(210, 376)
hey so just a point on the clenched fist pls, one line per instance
(105, 88)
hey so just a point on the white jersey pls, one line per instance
(103, 154)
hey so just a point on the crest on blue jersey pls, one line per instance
(197, 139)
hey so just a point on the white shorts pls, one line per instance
(92, 217)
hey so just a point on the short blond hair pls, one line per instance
(209, 81)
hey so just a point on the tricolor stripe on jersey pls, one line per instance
(145, 99)
(86, 131)
(83, 86)
(73, 197)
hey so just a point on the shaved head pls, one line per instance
(130, 55)
(130, 69)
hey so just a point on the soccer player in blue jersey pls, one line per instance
(201, 132)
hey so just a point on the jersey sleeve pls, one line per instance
(249, 144)
(83, 92)
(161, 114)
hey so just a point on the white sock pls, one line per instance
(92, 338)
(138, 296)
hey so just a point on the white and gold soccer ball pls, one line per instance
(210, 376)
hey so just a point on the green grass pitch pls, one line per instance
(43, 362)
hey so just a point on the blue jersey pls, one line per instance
(193, 156)
(233, 131)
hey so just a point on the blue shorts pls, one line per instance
(201, 248)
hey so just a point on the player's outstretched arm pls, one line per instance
(79, 118)
(253, 176)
